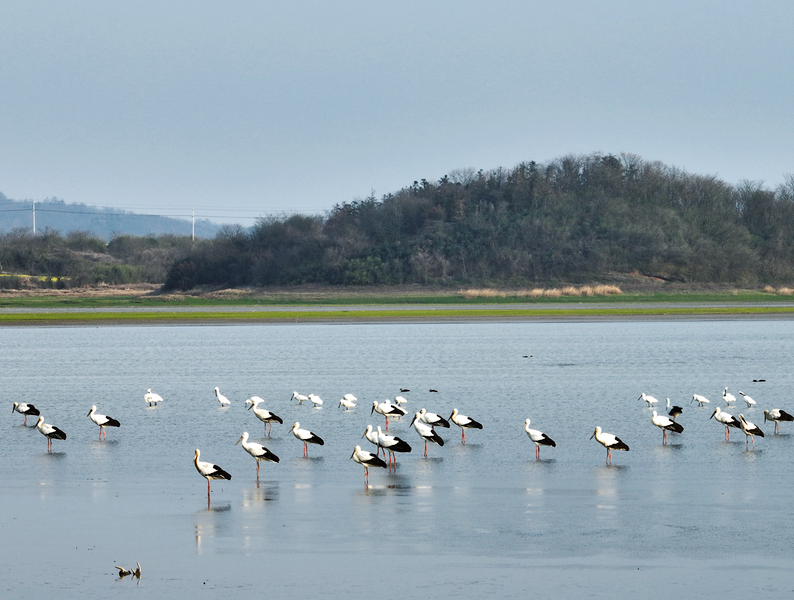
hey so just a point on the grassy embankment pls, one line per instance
(346, 306)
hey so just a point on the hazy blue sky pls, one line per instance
(281, 106)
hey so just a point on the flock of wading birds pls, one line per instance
(424, 423)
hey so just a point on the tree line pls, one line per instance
(573, 219)
(80, 258)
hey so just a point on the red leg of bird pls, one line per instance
(425, 448)
(305, 450)
(257, 469)
(462, 436)
(537, 451)
(664, 436)
(387, 423)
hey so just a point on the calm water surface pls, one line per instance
(705, 516)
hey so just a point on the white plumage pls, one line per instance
(538, 438)
(103, 421)
(727, 396)
(610, 442)
(749, 401)
(307, 437)
(367, 460)
(727, 420)
(221, 398)
(701, 400)
(152, 398)
(258, 451)
(650, 400)
(750, 431)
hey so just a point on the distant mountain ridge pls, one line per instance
(105, 223)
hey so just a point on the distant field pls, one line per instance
(95, 310)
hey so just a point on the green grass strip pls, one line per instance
(375, 315)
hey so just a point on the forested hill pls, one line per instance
(574, 220)
(104, 223)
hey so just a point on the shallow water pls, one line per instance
(704, 515)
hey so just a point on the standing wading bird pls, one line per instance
(538, 438)
(151, 397)
(666, 424)
(307, 437)
(776, 415)
(750, 431)
(348, 401)
(464, 423)
(25, 409)
(728, 397)
(387, 409)
(701, 400)
(50, 432)
(221, 398)
(674, 411)
(316, 400)
(299, 397)
(263, 415)
(649, 399)
(610, 442)
(727, 420)
(749, 401)
(258, 451)
(433, 419)
(398, 400)
(372, 438)
(103, 421)
(367, 460)
(209, 471)
(426, 432)
(392, 444)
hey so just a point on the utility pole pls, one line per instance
(34, 217)
(193, 238)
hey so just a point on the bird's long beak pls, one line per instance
(89, 414)
(372, 411)
(238, 441)
(449, 418)
(352, 455)
(712, 414)
(592, 436)
(412, 420)
(250, 407)
(640, 398)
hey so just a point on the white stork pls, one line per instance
(367, 460)
(750, 431)
(50, 432)
(387, 409)
(426, 432)
(464, 423)
(258, 451)
(25, 409)
(666, 424)
(776, 415)
(103, 421)
(727, 420)
(209, 471)
(307, 437)
(610, 442)
(538, 438)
